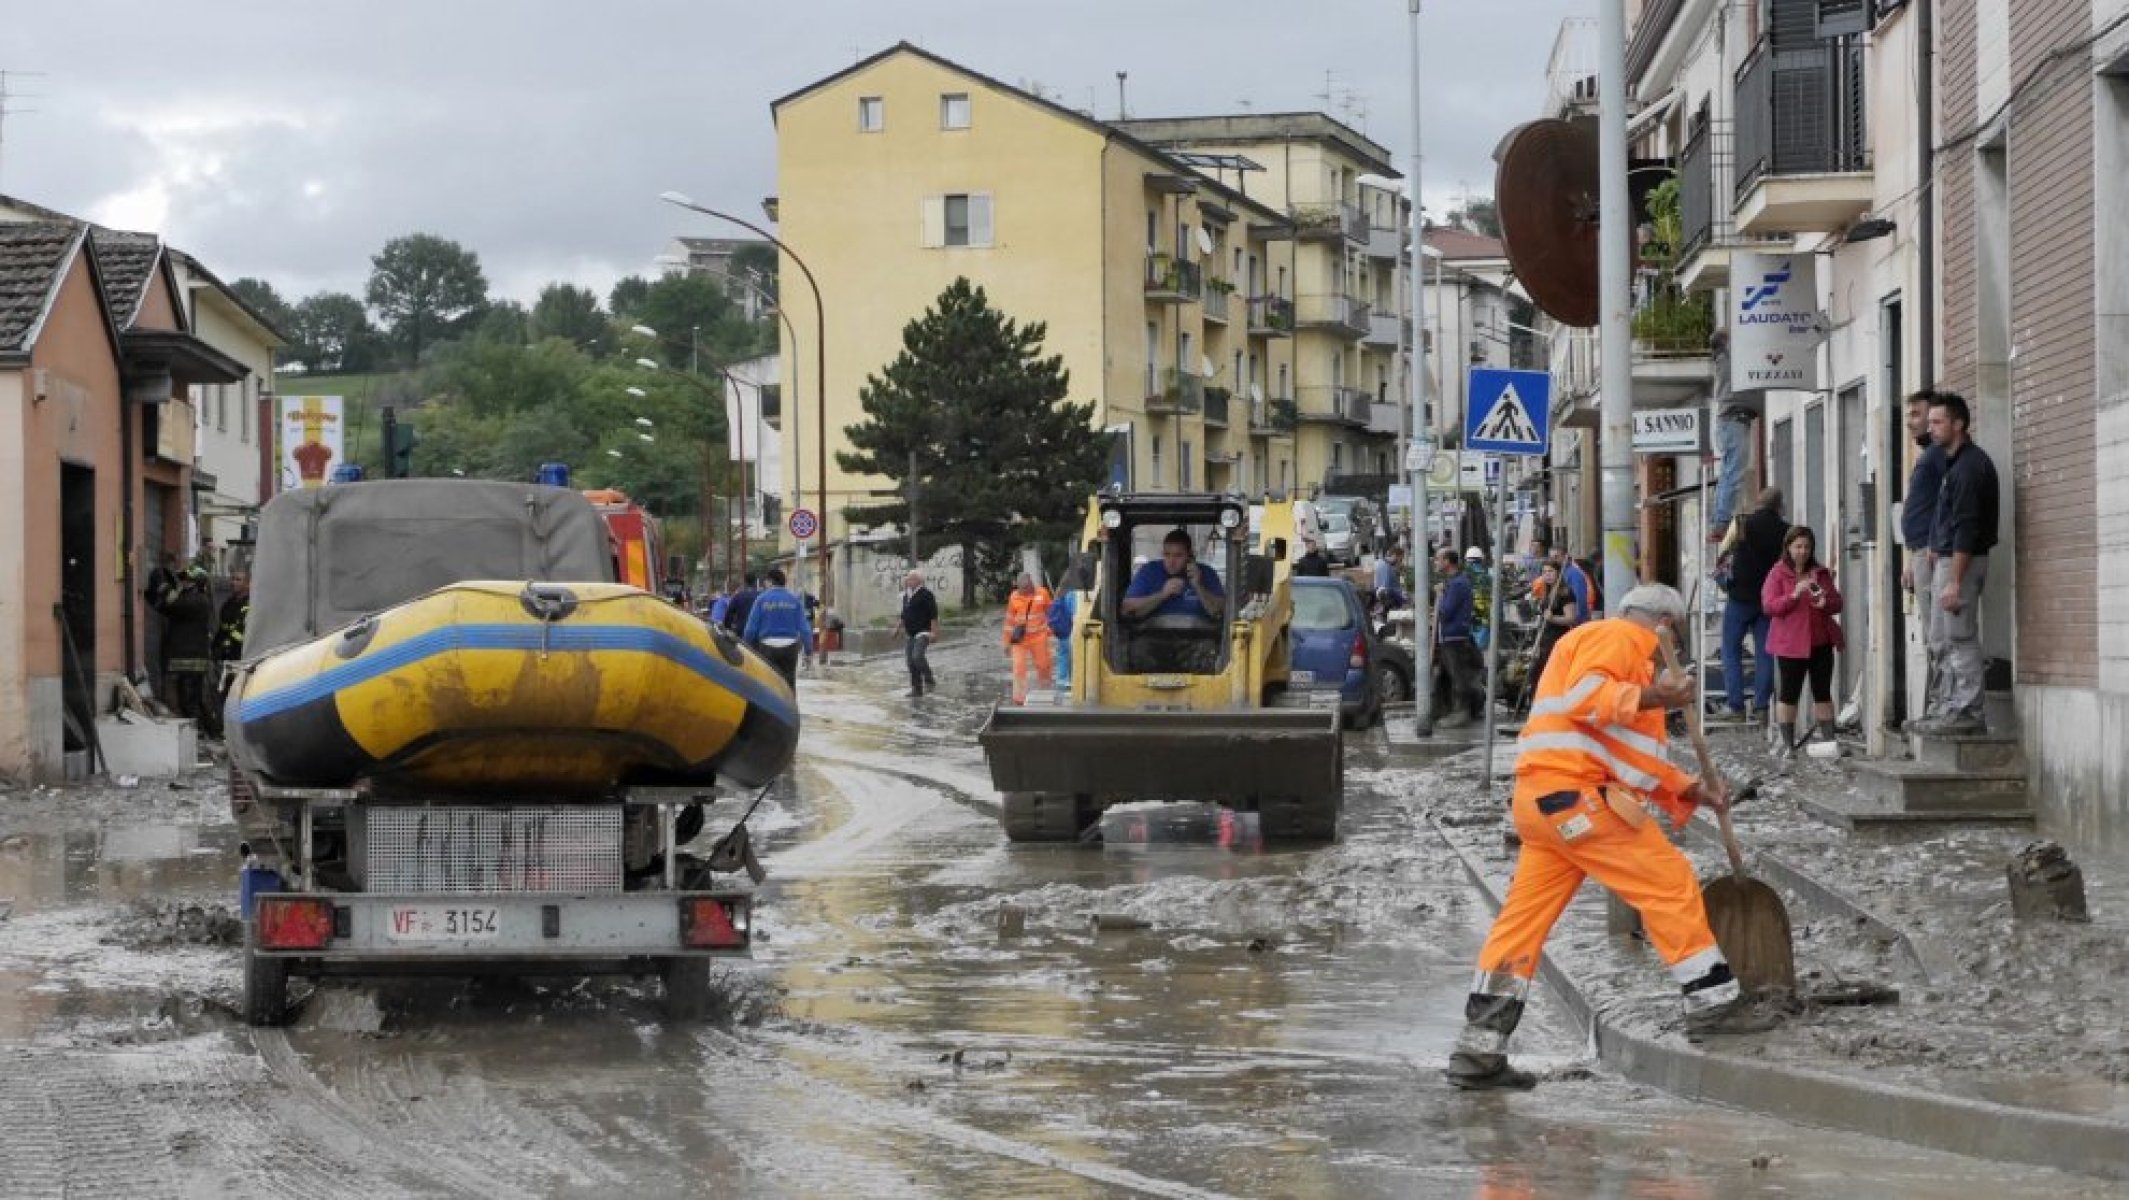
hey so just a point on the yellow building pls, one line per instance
(1167, 279)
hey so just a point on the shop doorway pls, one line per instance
(77, 602)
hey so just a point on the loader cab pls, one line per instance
(1188, 633)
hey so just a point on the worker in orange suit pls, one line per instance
(1590, 761)
(1027, 635)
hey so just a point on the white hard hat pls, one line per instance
(1475, 554)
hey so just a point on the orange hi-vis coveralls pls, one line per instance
(1028, 612)
(1588, 760)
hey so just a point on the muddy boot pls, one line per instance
(1480, 1061)
(1745, 1014)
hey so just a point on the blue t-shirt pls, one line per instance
(1152, 577)
(777, 614)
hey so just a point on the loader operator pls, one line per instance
(1590, 754)
(1176, 586)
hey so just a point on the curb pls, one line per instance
(1976, 1128)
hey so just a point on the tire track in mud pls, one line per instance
(379, 1139)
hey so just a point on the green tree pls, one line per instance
(1002, 457)
(332, 332)
(696, 320)
(626, 298)
(420, 284)
(503, 321)
(1478, 215)
(267, 302)
(572, 313)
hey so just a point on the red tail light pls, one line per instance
(1359, 652)
(714, 924)
(294, 924)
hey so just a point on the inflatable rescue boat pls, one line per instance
(566, 688)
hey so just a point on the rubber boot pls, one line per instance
(1480, 1061)
(1716, 1005)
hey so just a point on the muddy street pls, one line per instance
(1172, 1017)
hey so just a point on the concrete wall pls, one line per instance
(869, 584)
(77, 422)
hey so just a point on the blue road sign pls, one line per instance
(1508, 412)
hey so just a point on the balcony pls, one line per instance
(1802, 137)
(1344, 315)
(1217, 292)
(1273, 417)
(1216, 404)
(1171, 280)
(1174, 393)
(1387, 330)
(1271, 316)
(1386, 243)
(772, 405)
(1385, 420)
(1331, 404)
(1704, 250)
(1327, 222)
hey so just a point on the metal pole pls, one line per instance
(1497, 611)
(915, 560)
(739, 418)
(1615, 296)
(1422, 431)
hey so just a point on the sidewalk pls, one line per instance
(2008, 1040)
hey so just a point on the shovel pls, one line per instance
(1750, 923)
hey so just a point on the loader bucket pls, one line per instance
(1286, 763)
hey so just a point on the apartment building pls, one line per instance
(1169, 293)
(1344, 267)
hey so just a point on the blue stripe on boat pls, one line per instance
(622, 638)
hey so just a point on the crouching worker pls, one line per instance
(1591, 754)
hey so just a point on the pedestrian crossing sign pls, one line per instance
(1507, 412)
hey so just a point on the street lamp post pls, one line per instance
(1419, 458)
(733, 394)
(820, 369)
(770, 303)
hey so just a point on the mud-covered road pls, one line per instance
(1239, 1023)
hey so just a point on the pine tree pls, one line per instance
(1001, 457)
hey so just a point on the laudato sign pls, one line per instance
(1774, 322)
(1667, 431)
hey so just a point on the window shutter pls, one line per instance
(1841, 18)
(934, 231)
(979, 219)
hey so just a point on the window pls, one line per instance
(953, 110)
(1282, 393)
(1156, 461)
(1153, 232)
(1182, 458)
(247, 404)
(962, 219)
(872, 114)
(221, 407)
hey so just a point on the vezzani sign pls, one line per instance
(1667, 431)
(1774, 322)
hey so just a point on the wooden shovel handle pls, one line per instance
(1708, 772)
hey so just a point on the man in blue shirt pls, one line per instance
(1175, 585)
(777, 627)
(1964, 530)
(1388, 574)
(1918, 506)
(735, 612)
(1453, 614)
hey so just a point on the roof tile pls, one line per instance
(31, 255)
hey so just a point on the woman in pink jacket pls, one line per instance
(1801, 601)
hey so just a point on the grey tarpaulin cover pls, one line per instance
(330, 555)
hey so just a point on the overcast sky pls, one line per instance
(291, 140)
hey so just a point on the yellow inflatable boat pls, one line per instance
(558, 687)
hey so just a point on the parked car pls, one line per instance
(1334, 650)
(1365, 520)
(1338, 543)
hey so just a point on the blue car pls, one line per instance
(1333, 649)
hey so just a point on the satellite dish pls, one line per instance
(1205, 366)
(1546, 187)
(1204, 240)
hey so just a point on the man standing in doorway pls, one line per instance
(1918, 511)
(1961, 536)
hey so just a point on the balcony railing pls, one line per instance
(1315, 222)
(1173, 280)
(1700, 220)
(1271, 316)
(1386, 419)
(1332, 403)
(1215, 300)
(1174, 393)
(1274, 416)
(1388, 329)
(1216, 401)
(1801, 110)
(1342, 314)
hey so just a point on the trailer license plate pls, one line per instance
(442, 923)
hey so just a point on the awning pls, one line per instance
(186, 359)
(1640, 122)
